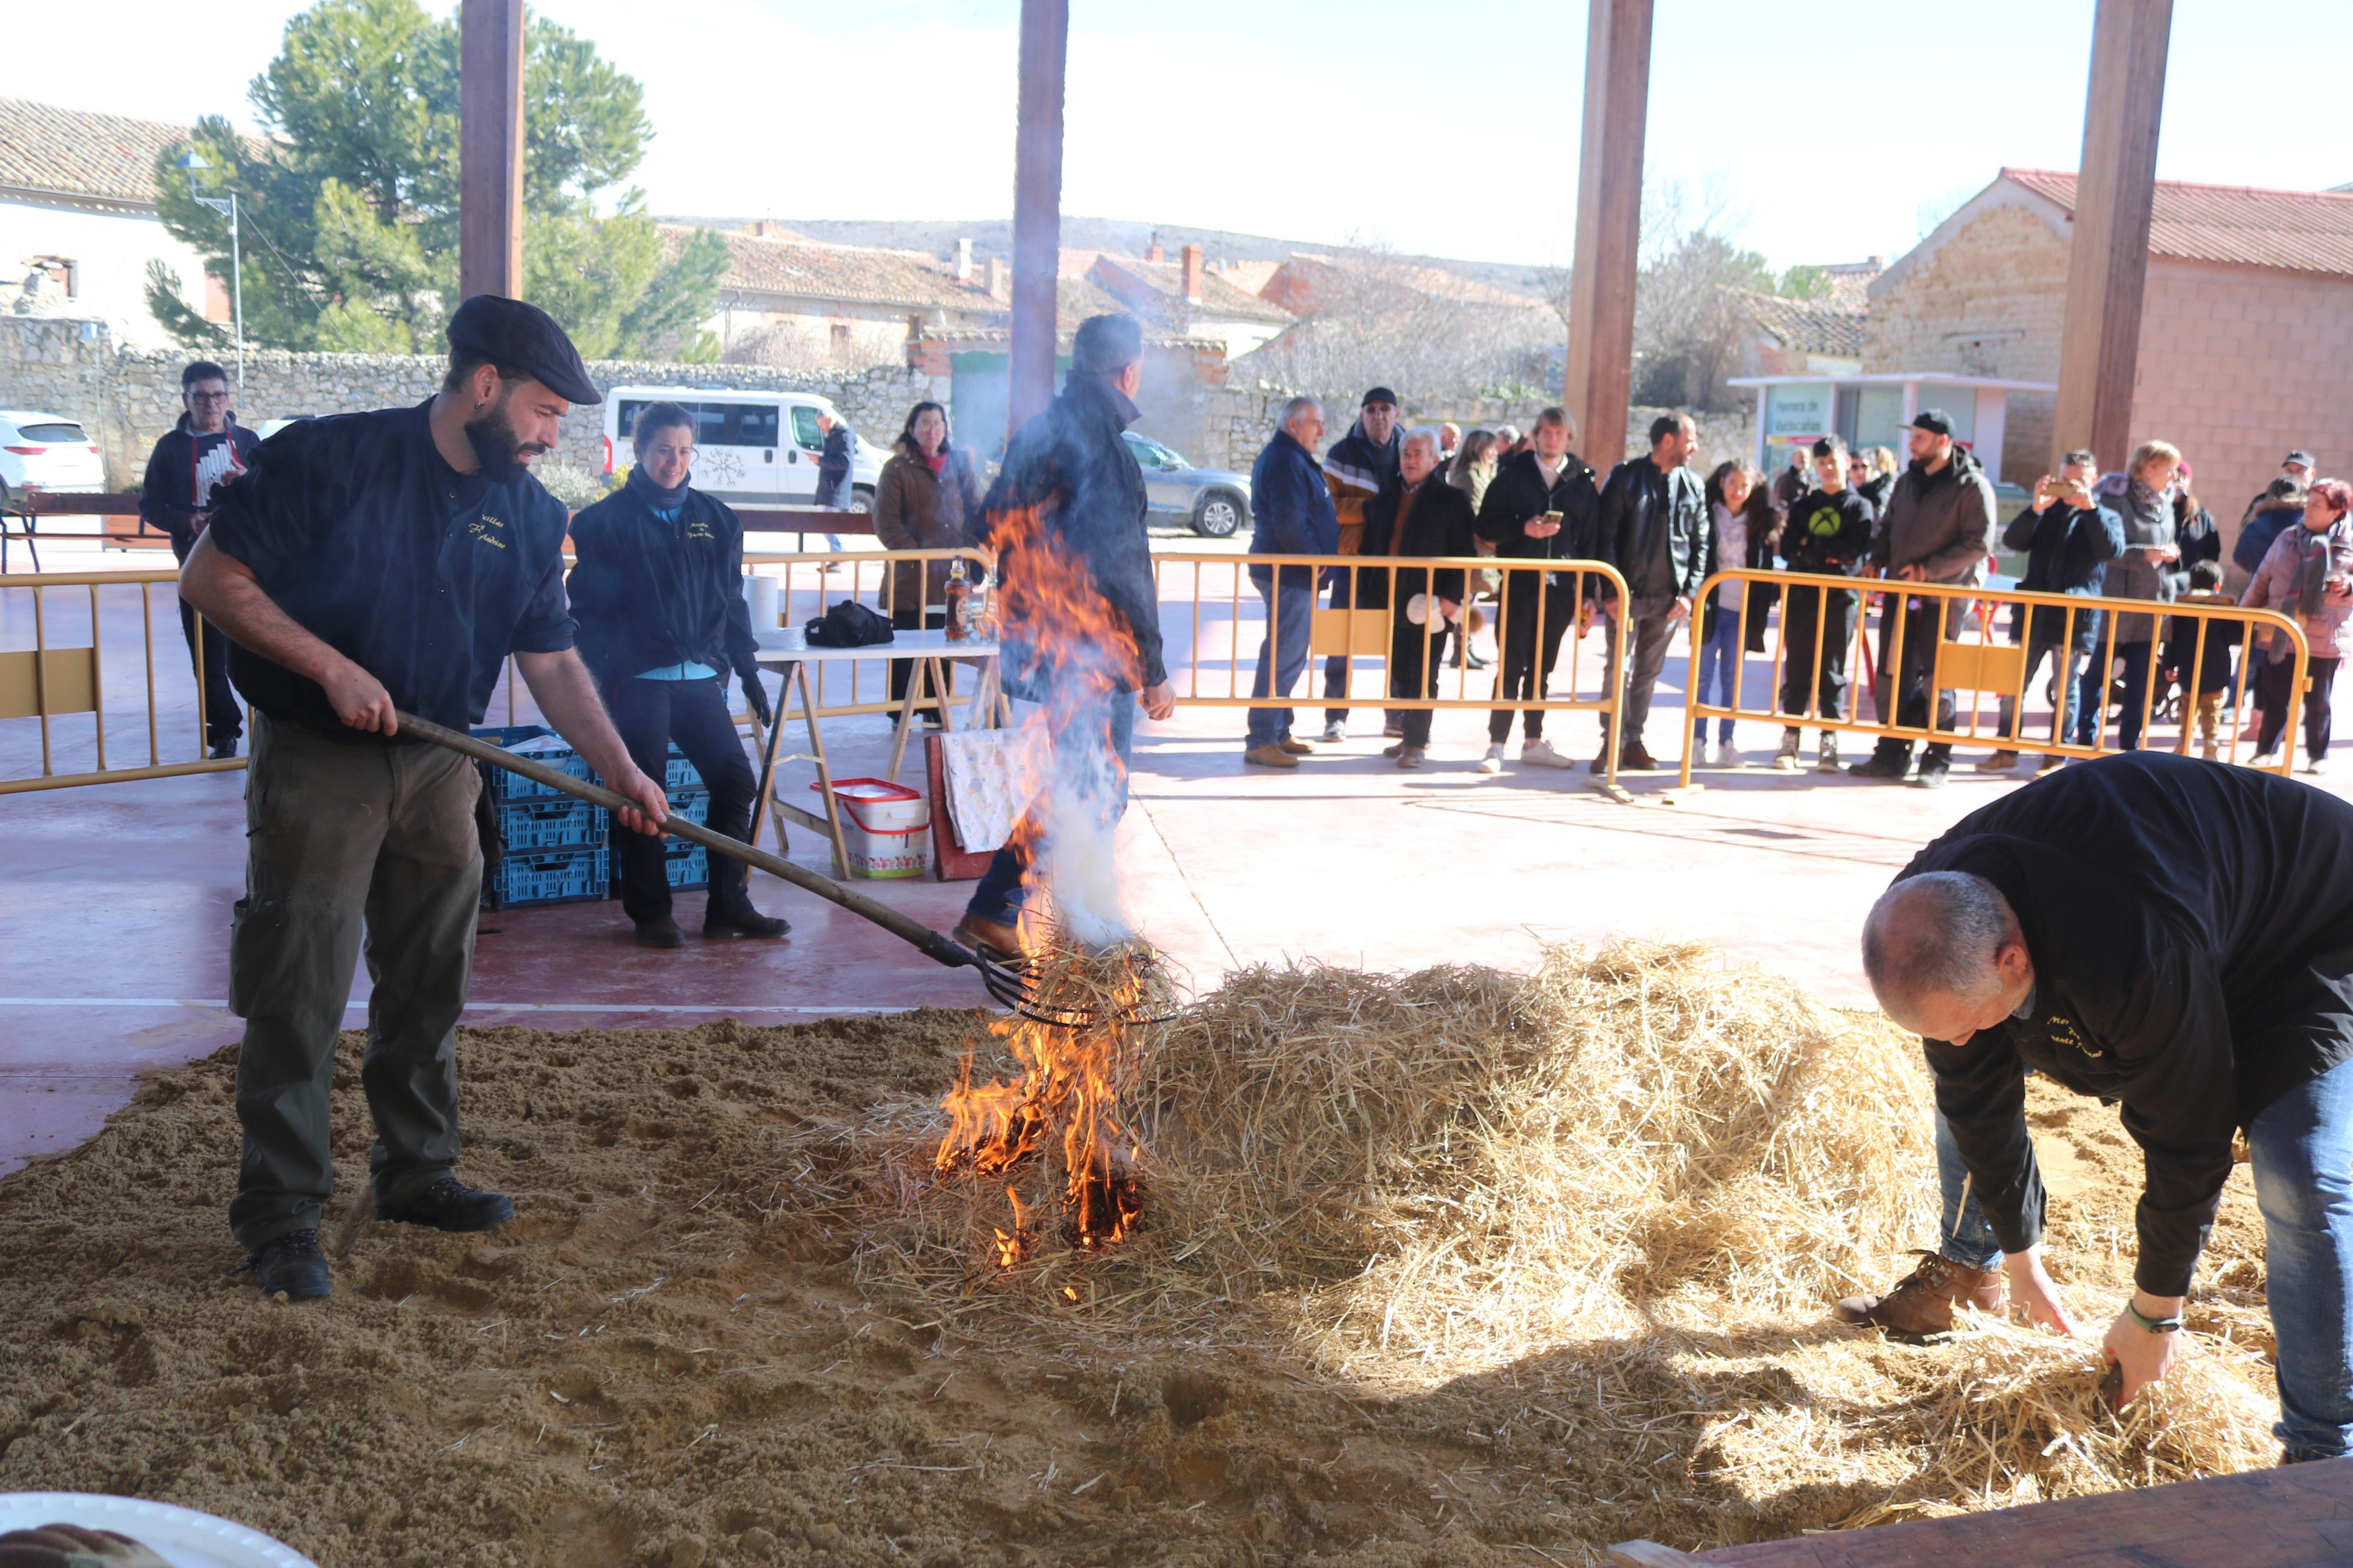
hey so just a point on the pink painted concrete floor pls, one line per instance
(115, 904)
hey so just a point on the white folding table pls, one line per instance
(787, 651)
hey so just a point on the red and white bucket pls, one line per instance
(883, 826)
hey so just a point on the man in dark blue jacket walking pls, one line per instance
(1066, 518)
(1293, 505)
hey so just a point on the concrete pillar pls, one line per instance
(1608, 226)
(490, 148)
(2107, 264)
(1037, 205)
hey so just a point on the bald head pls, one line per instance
(1946, 956)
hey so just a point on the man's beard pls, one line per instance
(500, 451)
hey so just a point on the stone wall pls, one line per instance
(1246, 418)
(1990, 301)
(127, 397)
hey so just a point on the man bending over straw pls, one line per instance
(2175, 936)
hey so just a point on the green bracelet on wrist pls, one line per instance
(2153, 1325)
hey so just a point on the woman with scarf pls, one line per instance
(2147, 567)
(2308, 574)
(927, 498)
(658, 598)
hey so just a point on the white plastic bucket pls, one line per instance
(181, 1536)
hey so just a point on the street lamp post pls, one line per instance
(193, 160)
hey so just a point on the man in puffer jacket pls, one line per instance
(1938, 528)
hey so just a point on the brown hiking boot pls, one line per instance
(1922, 1302)
(1000, 944)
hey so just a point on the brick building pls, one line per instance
(2246, 329)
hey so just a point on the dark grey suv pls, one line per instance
(1215, 503)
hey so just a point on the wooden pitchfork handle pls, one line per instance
(931, 944)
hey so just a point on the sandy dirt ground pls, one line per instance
(670, 1358)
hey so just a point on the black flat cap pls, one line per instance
(523, 337)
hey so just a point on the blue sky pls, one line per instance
(1826, 127)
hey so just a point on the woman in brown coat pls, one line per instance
(927, 498)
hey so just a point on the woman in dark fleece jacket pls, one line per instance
(2176, 938)
(659, 596)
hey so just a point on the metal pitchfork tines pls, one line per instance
(1015, 983)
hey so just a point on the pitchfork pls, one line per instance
(1015, 983)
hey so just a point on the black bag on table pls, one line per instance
(848, 623)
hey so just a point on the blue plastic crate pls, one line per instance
(688, 866)
(691, 805)
(678, 773)
(556, 754)
(550, 822)
(580, 874)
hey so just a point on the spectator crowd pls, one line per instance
(1385, 492)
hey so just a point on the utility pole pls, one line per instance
(225, 206)
(1036, 208)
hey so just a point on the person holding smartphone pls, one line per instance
(1542, 506)
(2069, 540)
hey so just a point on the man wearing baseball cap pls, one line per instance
(2297, 467)
(1937, 528)
(364, 563)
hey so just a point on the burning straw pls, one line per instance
(1618, 1195)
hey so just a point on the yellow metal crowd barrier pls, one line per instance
(71, 670)
(1213, 620)
(1969, 660)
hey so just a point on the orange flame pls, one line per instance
(1068, 649)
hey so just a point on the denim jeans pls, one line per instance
(2078, 709)
(1721, 665)
(2303, 1149)
(1964, 1234)
(1291, 616)
(999, 896)
(2138, 658)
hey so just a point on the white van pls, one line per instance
(751, 448)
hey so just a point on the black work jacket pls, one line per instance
(424, 577)
(1070, 465)
(1637, 502)
(2191, 929)
(1518, 492)
(650, 593)
(1439, 524)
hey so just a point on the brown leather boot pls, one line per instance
(1922, 1302)
(1000, 943)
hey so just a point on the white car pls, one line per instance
(46, 452)
(751, 448)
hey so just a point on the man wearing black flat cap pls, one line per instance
(1937, 528)
(1356, 467)
(364, 563)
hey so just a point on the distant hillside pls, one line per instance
(994, 236)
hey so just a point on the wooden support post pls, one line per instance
(1608, 227)
(490, 148)
(2108, 263)
(1037, 206)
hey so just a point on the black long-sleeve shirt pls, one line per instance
(2191, 931)
(650, 592)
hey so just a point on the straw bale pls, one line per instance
(1607, 1204)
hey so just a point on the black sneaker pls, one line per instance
(1932, 775)
(1879, 766)
(662, 932)
(449, 1204)
(750, 923)
(291, 1265)
(222, 750)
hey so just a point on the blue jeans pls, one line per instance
(1291, 613)
(1964, 1234)
(999, 896)
(2303, 1149)
(1720, 669)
